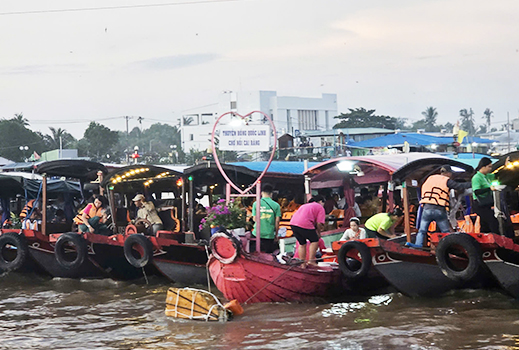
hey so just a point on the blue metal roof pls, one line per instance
(414, 139)
(277, 166)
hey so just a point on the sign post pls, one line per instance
(242, 136)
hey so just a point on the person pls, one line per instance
(269, 222)
(483, 198)
(330, 203)
(28, 208)
(382, 225)
(147, 218)
(354, 231)
(321, 249)
(435, 202)
(93, 217)
(307, 224)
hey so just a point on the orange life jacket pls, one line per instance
(471, 224)
(435, 191)
(27, 209)
(90, 214)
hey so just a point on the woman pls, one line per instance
(382, 225)
(355, 231)
(307, 224)
(483, 197)
(92, 218)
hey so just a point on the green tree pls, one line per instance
(487, 115)
(53, 140)
(362, 118)
(430, 114)
(98, 140)
(13, 135)
(467, 121)
(20, 119)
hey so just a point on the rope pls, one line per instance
(268, 284)
(207, 270)
(193, 303)
(145, 277)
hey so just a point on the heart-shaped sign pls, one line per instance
(243, 117)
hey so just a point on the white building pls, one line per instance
(291, 115)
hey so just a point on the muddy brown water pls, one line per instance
(42, 313)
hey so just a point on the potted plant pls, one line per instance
(224, 217)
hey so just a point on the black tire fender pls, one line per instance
(453, 244)
(144, 247)
(67, 240)
(347, 268)
(14, 240)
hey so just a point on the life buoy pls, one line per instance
(354, 269)
(13, 251)
(224, 248)
(138, 250)
(70, 251)
(459, 257)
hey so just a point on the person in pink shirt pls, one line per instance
(307, 224)
(321, 248)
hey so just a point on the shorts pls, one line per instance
(303, 234)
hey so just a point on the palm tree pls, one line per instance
(53, 140)
(487, 115)
(430, 115)
(188, 120)
(467, 121)
(20, 119)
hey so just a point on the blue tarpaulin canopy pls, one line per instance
(277, 166)
(414, 139)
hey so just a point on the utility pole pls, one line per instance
(508, 128)
(127, 140)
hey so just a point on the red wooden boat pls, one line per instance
(259, 277)
(37, 247)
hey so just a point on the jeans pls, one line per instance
(428, 216)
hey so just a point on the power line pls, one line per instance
(114, 7)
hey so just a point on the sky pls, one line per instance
(158, 59)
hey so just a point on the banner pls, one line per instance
(250, 138)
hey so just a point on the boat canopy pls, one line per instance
(507, 175)
(131, 178)
(18, 183)
(277, 166)
(383, 168)
(80, 169)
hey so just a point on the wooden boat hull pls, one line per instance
(504, 265)
(413, 275)
(182, 273)
(43, 254)
(258, 278)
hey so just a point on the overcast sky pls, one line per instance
(397, 57)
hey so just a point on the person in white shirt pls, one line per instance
(355, 231)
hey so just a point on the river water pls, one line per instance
(41, 313)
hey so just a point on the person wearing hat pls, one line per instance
(435, 201)
(147, 219)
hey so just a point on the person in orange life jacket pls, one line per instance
(28, 208)
(435, 201)
(93, 217)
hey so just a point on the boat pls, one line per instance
(259, 277)
(413, 272)
(499, 253)
(129, 254)
(40, 243)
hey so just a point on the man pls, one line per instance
(382, 225)
(307, 224)
(435, 201)
(269, 222)
(147, 219)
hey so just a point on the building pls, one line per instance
(291, 115)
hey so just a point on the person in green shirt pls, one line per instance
(269, 222)
(483, 198)
(381, 225)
